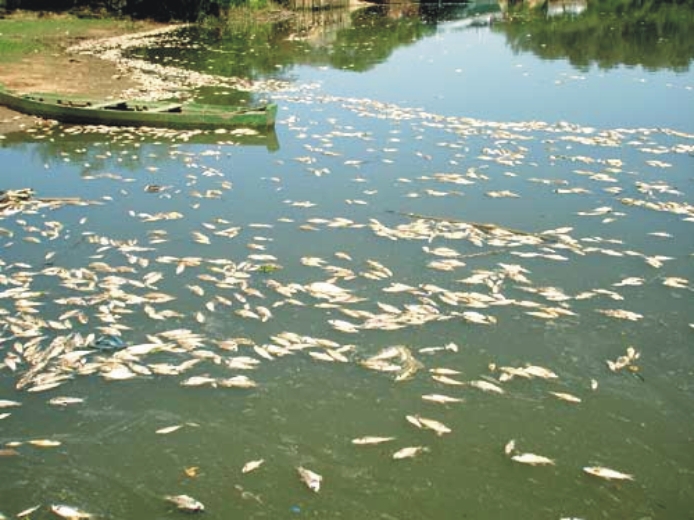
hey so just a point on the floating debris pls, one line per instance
(626, 361)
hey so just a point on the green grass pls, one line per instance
(25, 33)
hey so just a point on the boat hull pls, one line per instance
(138, 113)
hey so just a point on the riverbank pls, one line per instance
(35, 57)
(62, 53)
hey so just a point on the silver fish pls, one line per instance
(409, 452)
(186, 503)
(607, 473)
(311, 479)
(252, 465)
(440, 398)
(361, 441)
(64, 400)
(69, 512)
(532, 459)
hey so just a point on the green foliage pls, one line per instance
(27, 34)
(609, 33)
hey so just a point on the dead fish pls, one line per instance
(363, 441)
(409, 452)
(569, 398)
(431, 424)
(311, 479)
(510, 447)
(169, 429)
(199, 381)
(541, 372)
(252, 465)
(237, 382)
(486, 386)
(447, 380)
(65, 401)
(8, 452)
(6, 403)
(607, 473)
(44, 443)
(186, 503)
(532, 459)
(443, 399)
(69, 512)
(28, 511)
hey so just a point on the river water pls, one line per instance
(487, 192)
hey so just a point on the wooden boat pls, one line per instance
(121, 112)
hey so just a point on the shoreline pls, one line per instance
(61, 67)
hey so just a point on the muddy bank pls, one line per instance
(62, 71)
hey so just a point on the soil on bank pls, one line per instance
(57, 70)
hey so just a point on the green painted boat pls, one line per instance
(121, 112)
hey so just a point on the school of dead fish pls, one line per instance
(48, 336)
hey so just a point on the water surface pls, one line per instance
(407, 138)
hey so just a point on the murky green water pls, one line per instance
(403, 133)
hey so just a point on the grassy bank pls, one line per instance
(25, 33)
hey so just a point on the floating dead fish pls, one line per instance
(6, 403)
(186, 503)
(409, 452)
(8, 452)
(627, 360)
(199, 381)
(368, 440)
(69, 512)
(311, 479)
(169, 429)
(510, 447)
(607, 473)
(569, 398)
(437, 427)
(28, 511)
(486, 386)
(118, 373)
(236, 382)
(620, 314)
(44, 443)
(447, 380)
(65, 400)
(252, 465)
(443, 399)
(532, 459)
(541, 372)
